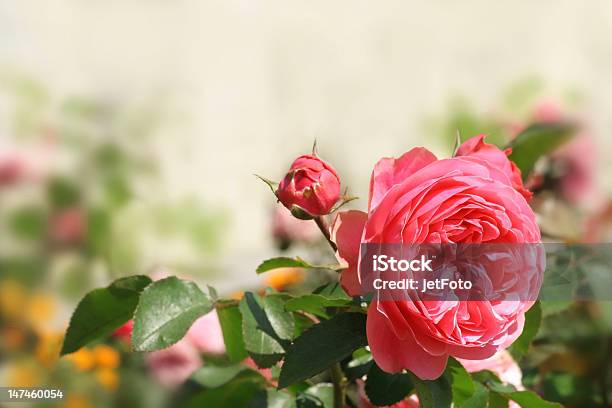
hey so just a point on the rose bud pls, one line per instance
(310, 188)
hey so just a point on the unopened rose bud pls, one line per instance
(310, 188)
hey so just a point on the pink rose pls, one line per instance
(172, 366)
(475, 148)
(471, 198)
(310, 188)
(206, 335)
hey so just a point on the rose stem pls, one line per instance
(339, 382)
(322, 224)
(335, 371)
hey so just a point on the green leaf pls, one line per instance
(230, 320)
(434, 393)
(98, 229)
(322, 345)
(320, 395)
(272, 184)
(28, 222)
(102, 311)
(281, 262)
(260, 339)
(462, 385)
(314, 304)
(536, 141)
(359, 365)
(479, 399)
(238, 393)
(385, 389)
(503, 391)
(166, 310)
(272, 398)
(282, 322)
(332, 291)
(117, 189)
(530, 399)
(211, 376)
(63, 193)
(297, 262)
(533, 318)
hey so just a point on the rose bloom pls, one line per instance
(475, 197)
(310, 188)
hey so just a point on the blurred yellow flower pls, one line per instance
(76, 401)
(40, 309)
(12, 299)
(106, 356)
(237, 295)
(24, 374)
(280, 278)
(48, 347)
(108, 378)
(83, 359)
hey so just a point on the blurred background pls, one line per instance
(130, 132)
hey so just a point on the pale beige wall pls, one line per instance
(259, 80)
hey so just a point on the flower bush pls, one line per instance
(333, 344)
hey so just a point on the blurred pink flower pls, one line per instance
(21, 164)
(172, 366)
(574, 161)
(502, 364)
(68, 226)
(286, 229)
(577, 162)
(206, 335)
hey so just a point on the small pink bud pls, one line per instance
(310, 188)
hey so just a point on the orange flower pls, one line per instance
(12, 299)
(24, 374)
(108, 378)
(40, 309)
(83, 359)
(76, 401)
(106, 356)
(48, 348)
(280, 278)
